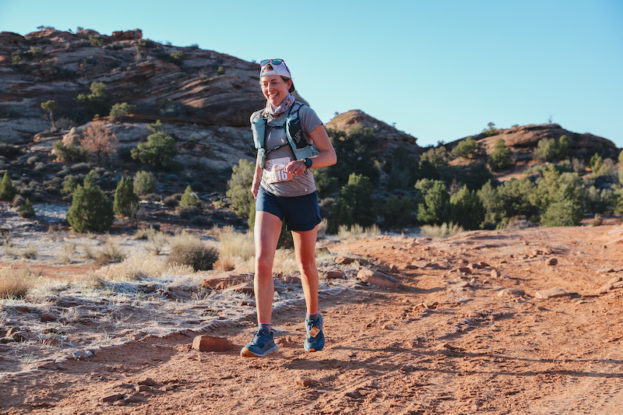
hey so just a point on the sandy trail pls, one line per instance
(465, 334)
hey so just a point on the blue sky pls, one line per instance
(439, 70)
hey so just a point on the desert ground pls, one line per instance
(523, 321)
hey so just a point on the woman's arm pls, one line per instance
(325, 157)
(257, 177)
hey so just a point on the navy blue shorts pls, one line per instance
(300, 213)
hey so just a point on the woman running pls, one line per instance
(291, 141)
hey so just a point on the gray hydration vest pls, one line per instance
(296, 139)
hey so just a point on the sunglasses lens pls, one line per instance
(264, 62)
(277, 61)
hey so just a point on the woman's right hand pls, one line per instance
(255, 187)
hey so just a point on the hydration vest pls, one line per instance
(296, 139)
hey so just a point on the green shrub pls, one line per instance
(97, 101)
(490, 130)
(144, 183)
(437, 157)
(239, 189)
(354, 204)
(126, 201)
(435, 208)
(467, 148)
(109, 254)
(189, 199)
(69, 185)
(120, 110)
(7, 190)
(69, 153)
(50, 106)
(355, 152)
(562, 213)
(550, 149)
(220, 70)
(35, 51)
(398, 211)
(466, 209)
(177, 56)
(621, 159)
(402, 169)
(91, 210)
(191, 251)
(26, 210)
(500, 158)
(157, 152)
(95, 41)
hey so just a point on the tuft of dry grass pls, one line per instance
(441, 231)
(110, 254)
(356, 232)
(16, 282)
(67, 251)
(139, 266)
(235, 244)
(30, 252)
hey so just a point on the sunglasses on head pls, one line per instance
(265, 62)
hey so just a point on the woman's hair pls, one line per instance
(285, 78)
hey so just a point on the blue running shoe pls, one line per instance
(263, 344)
(314, 342)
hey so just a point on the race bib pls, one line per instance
(275, 170)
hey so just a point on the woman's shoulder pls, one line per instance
(256, 114)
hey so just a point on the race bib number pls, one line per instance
(275, 170)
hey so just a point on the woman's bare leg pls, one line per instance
(305, 249)
(266, 235)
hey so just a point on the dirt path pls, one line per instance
(465, 334)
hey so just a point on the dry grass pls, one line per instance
(30, 252)
(110, 254)
(356, 232)
(441, 231)
(235, 244)
(67, 251)
(16, 282)
(137, 267)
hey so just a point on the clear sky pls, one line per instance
(439, 70)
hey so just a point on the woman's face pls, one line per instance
(274, 88)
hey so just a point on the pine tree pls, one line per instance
(126, 201)
(7, 190)
(91, 210)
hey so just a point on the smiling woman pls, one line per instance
(290, 140)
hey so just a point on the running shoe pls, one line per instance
(263, 344)
(314, 342)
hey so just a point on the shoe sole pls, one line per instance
(245, 352)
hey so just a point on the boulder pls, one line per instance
(226, 280)
(551, 293)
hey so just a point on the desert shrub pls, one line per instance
(144, 183)
(139, 266)
(512, 198)
(354, 204)
(50, 106)
(109, 254)
(562, 213)
(441, 231)
(126, 201)
(7, 189)
(402, 169)
(120, 110)
(467, 148)
(97, 101)
(550, 149)
(16, 282)
(398, 211)
(357, 232)
(435, 208)
(436, 157)
(220, 70)
(473, 175)
(69, 185)
(95, 41)
(35, 51)
(177, 56)
(599, 200)
(157, 152)
(326, 184)
(601, 167)
(597, 220)
(189, 199)
(621, 158)
(99, 141)
(68, 153)
(490, 130)
(466, 209)
(190, 250)
(500, 158)
(90, 210)
(239, 188)
(26, 210)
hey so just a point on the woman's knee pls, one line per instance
(263, 266)
(308, 268)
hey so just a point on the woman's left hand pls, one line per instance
(296, 167)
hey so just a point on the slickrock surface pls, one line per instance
(445, 342)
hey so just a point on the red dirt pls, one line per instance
(450, 341)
